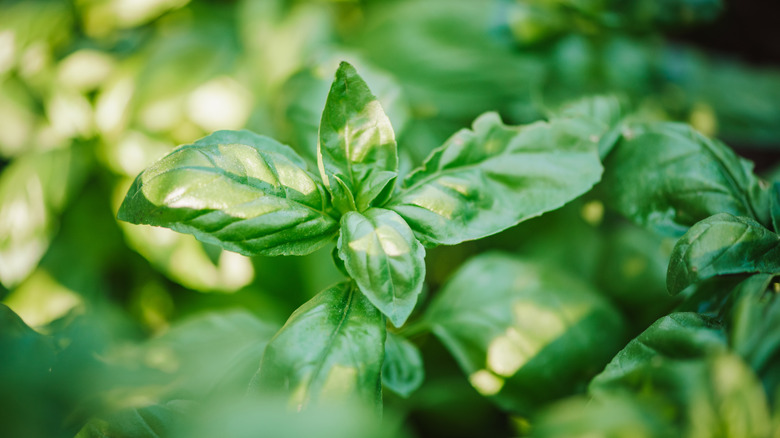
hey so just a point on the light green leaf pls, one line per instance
(517, 327)
(606, 111)
(486, 180)
(720, 245)
(381, 254)
(402, 371)
(667, 176)
(34, 189)
(244, 192)
(330, 349)
(356, 151)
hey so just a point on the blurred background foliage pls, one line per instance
(132, 323)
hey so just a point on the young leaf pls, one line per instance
(244, 192)
(402, 371)
(356, 151)
(667, 176)
(486, 180)
(381, 254)
(516, 328)
(720, 245)
(330, 348)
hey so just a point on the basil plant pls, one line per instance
(253, 195)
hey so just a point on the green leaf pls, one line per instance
(244, 192)
(754, 327)
(679, 336)
(330, 349)
(516, 328)
(402, 370)
(667, 176)
(682, 364)
(381, 254)
(721, 245)
(607, 111)
(34, 190)
(152, 421)
(774, 206)
(356, 151)
(486, 180)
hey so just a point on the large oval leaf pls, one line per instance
(486, 180)
(331, 348)
(720, 245)
(516, 328)
(356, 151)
(667, 176)
(381, 254)
(244, 192)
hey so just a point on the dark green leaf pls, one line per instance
(331, 348)
(754, 327)
(244, 192)
(774, 206)
(667, 176)
(486, 180)
(356, 151)
(516, 328)
(721, 245)
(682, 364)
(402, 370)
(679, 336)
(381, 254)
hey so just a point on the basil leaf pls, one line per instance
(153, 421)
(607, 111)
(330, 348)
(679, 336)
(516, 328)
(720, 245)
(381, 254)
(402, 370)
(34, 190)
(486, 180)
(774, 206)
(242, 191)
(357, 153)
(667, 176)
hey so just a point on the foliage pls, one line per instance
(509, 218)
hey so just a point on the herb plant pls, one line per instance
(250, 194)
(597, 266)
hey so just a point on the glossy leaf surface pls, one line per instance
(720, 245)
(492, 177)
(402, 371)
(382, 255)
(516, 327)
(667, 176)
(357, 151)
(607, 111)
(244, 192)
(679, 336)
(331, 348)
